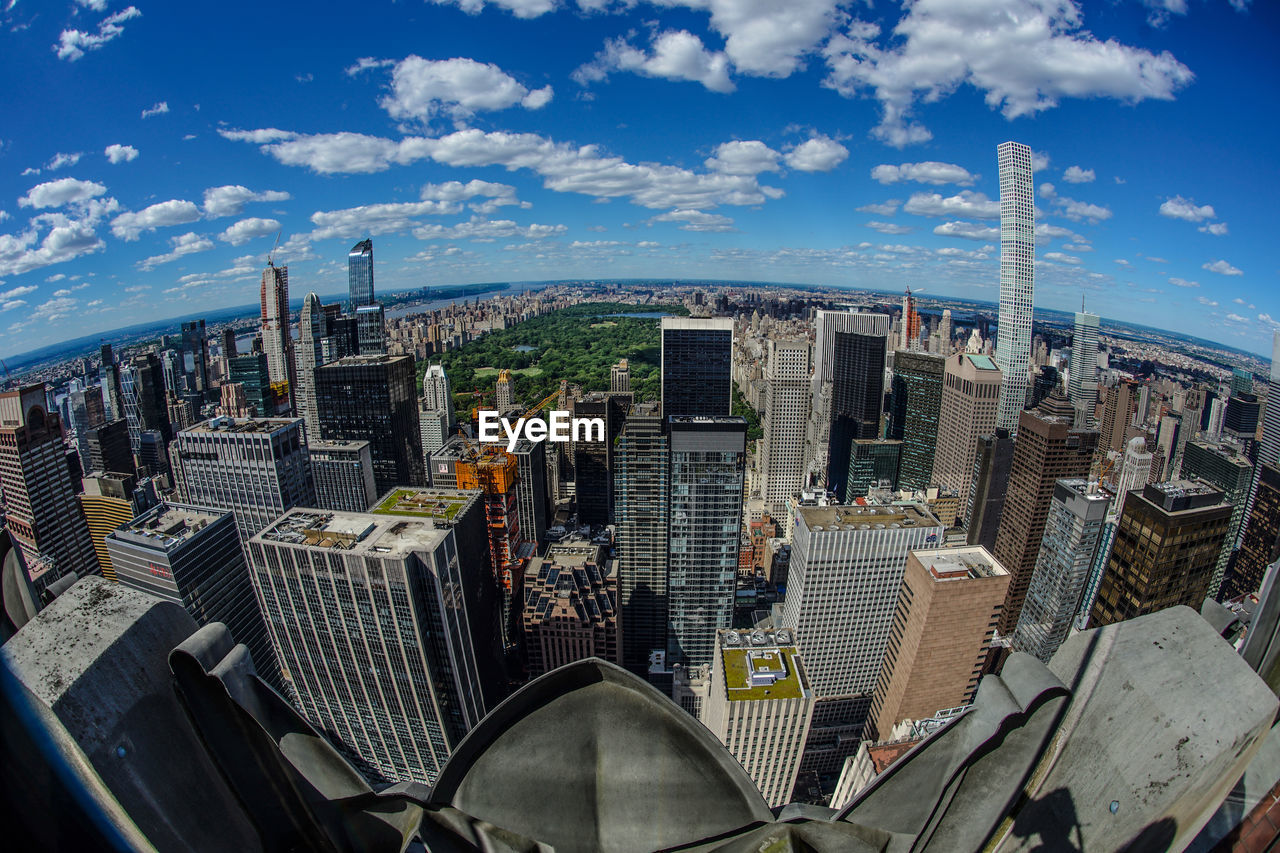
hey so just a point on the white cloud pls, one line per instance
(59, 160)
(483, 231)
(743, 158)
(159, 108)
(1186, 210)
(120, 153)
(1025, 55)
(249, 229)
(1236, 318)
(25, 252)
(1072, 209)
(95, 5)
(495, 195)
(1222, 268)
(1059, 257)
(73, 44)
(1076, 175)
(964, 203)
(1217, 229)
(888, 227)
(60, 192)
(1177, 282)
(258, 137)
(229, 200)
(186, 244)
(519, 8)
(887, 208)
(929, 172)
(374, 219)
(17, 292)
(696, 220)
(129, 226)
(366, 63)
(1204, 300)
(675, 55)
(968, 231)
(819, 154)
(423, 89)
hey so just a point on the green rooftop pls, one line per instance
(420, 503)
(777, 673)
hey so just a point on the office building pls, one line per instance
(108, 501)
(1135, 470)
(1165, 548)
(343, 475)
(256, 467)
(857, 397)
(504, 392)
(845, 573)
(379, 589)
(1048, 448)
(360, 274)
(531, 489)
(1017, 279)
(970, 393)
(1073, 533)
(873, 464)
(641, 481)
(112, 393)
(371, 329)
(277, 341)
(620, 377)
(760, 706)
(707, 467)
(1082, 385)
(914, 412)
(593, 460)
(786, 416)
(1224, 468)
(1118, 412)
(195, 346)
(41, 510)
(371, 397)
(1269, 446)
(312, 328)
(191, 555)
(697, 367)
(1261, 545)
(436, 393)
(109, 449)
(143, 399)
(1241, 381)
(570, 607)
(943, 623)
(985, 503)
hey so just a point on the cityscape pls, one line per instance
(530, 541)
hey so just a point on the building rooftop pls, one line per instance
(866, 517)
(357, 532)
(948, 564)
(440, 504)
(762, 665)
(243, 425)
(982, 362)
(343, 446)
(359, 360)
(168, 525)
(884, 754)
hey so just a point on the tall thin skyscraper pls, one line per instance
(914, 412)
(1118, 406)
(311, 333)
(1083, 383)
(277, 342)
(786, 415)
(857, 399)
(436, 393)
(1135, 469)
(697, 369)
(1269, 447)
(708, 462)
(1261, 546)
(1017, 278)
(985, 503)
(970, 396)
(640, 483)
(360, 274)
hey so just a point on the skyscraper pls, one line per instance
(191, 555)
(108, 501)
(914, 413)
(277, 342)
(1083, 381)
(970, 393)
(620, 377)
(1017, 278)
(143, 399)
(786, 415)
(1072, 533)
(697, 368)
(436, 393)
(371, 329)
(1165, 548)
(251, 372)
(985, 503)
(1222, 467)
(40, 506)
(360, 274)
(109, 449)
(942, 628)
(857, 398)
(256, 467)
(641, 481)
(707, 465)
(504, 393)
(531, 489)
(363, 611)
(372, 398)
(1261, 545)
(195, 344)
(311, 332)
(1135, 469)
(1047, 449)
(593, 460)
(570, 607)
(1269, 447)
(343, 474)
(760, 705)
(1118, 414)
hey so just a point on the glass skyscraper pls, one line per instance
(913, 417)
(1017, 278)
(360, 273)
(697, 366)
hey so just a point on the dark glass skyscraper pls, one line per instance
(913, 416)
(360, 273)
(857, 396)
(697, 367)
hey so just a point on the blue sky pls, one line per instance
(151, 152)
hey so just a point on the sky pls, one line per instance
(152, 154)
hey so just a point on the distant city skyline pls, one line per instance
(806, 147)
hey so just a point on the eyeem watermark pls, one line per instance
(559, 427)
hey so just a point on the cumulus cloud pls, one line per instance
(888, 227)
(697, 220)
(117, 153)
(519, 8)
(186, 244)
(819, 154)
(483, 230)
(21, 253)
(73, 44)
(743, 158)
(129, 226)
(1204, 300)
(1072, 209)
(483, 196)
(52, 194)
(886, 208)
(249, 229)
(160, 108)
(374, 219)
(15, 293)
(1217, 229)
(229, 200)
(672, 55)
(1221, 268)
(964, 203)
(1186, 210)
(968, 231)
(1177, 282)
(1024, 55)
(1076, 175)
(59, 160)
(423, 89)
(1060, 258)
(929, 172)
